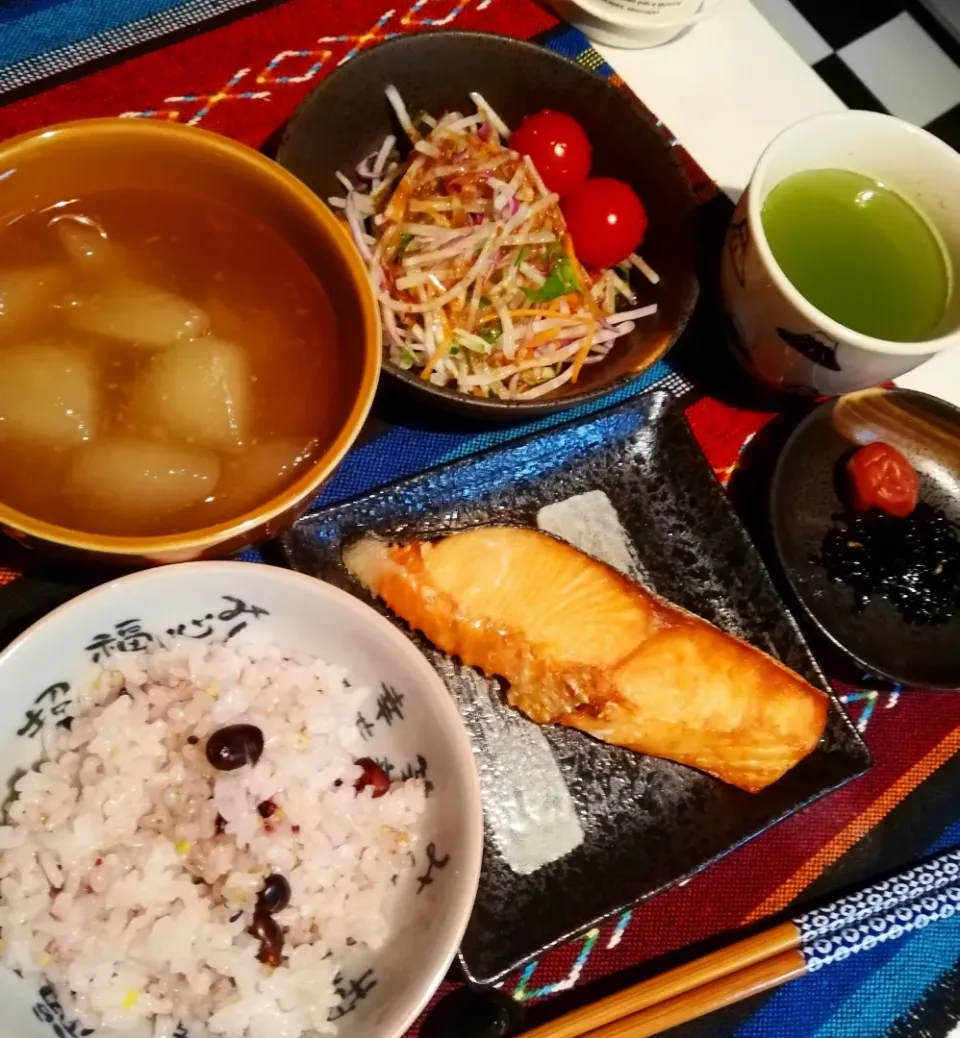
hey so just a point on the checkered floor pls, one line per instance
(883, 55)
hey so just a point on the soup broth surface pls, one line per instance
(166, 363)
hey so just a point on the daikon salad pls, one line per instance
(479, 285)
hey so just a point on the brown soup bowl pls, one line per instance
(41, 168)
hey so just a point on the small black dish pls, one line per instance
(804, 499)
(347, 117)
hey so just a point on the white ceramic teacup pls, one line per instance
(776, 333)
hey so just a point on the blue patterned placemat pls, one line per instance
(40, 39)
(399, 451)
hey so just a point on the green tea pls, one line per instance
(859, 252)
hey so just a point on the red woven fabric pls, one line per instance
(217, 66)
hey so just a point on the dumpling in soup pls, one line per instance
(199, 392)
(48, 394)
(128, 482)
(139, 314)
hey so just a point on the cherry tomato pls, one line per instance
(606, 221)
(881, 477)
(558, 148)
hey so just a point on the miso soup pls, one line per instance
(166, 363)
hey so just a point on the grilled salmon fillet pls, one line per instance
(583, 646)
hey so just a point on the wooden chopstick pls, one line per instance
(923, 894)
(754, 961)
(762, 976)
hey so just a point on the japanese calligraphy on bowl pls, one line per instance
(405, 716)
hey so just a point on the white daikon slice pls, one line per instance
(48, 394)
(129, 481)
(24, 293)
(140, 314)
(199, 391)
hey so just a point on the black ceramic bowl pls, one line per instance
(805, 496)
(348, 116)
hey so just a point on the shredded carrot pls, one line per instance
(431, 365)
(524, 312)
(441, 351)
(541, 337)
(398, 203)
(400, 198)
(582, 353)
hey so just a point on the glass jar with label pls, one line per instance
(634, 23)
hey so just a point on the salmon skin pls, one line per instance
(583, 646)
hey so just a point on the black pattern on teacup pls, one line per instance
(818, 347)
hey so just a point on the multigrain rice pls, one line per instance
(130, 868)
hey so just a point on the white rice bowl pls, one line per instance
(130, 868)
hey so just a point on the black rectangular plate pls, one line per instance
(647, 824)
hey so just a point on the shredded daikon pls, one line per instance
(403, 117)
(488, 110)
(645, 269)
